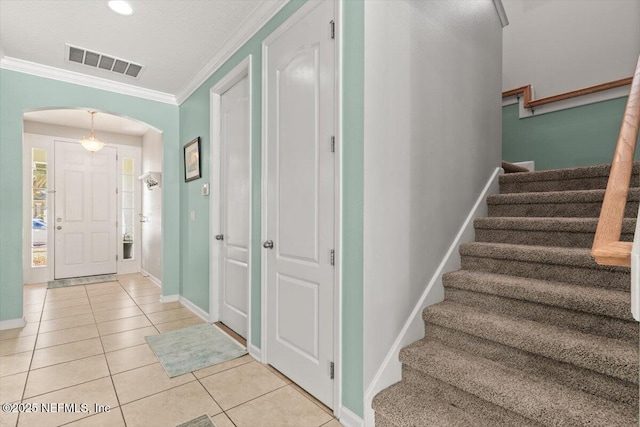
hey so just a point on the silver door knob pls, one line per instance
(59, 227)
(219, 237)
(268, 244)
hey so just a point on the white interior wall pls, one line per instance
(432, 140)
(152, 207)
(563, 45)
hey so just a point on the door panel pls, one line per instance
(100, 209)
(235, 183)
(85, 217)
(297, 307)
(300, 202)
(297, 86)
(74, 190)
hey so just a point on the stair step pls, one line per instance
(563, 232)
(589, 299)
(575, 320)
(580, 178)
(569, 265)
(405, 404)
(586, 309)
(607, 356)
(588, 381)
(527, 395)
(582, 203)
(492, 415)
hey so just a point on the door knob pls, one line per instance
(268, 244)
(219, 237)
(59, 227)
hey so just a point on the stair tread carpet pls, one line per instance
(525, 394)
(509, 167)
(577, 257)
(564, 174)
(589, 299)
(405, 404)
(544, 368)
(569, 225)
(556, 197)
(608, 356)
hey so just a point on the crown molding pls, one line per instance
(28, 67)
(249, 27)
(502, 14)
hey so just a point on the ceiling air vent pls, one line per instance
(103, 61)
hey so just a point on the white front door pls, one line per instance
(300, 202)
(85, 211)
(234, 209)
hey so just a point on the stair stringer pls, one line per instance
(390, 371)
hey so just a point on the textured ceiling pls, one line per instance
(173, 39)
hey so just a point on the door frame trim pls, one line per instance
(304, 10)
(240, 71)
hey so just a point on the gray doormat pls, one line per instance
(196, 347)
(201, 421)
(77, 281)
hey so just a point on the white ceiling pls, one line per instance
(81, 119)
(172, 39)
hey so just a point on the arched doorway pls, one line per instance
(134, 243)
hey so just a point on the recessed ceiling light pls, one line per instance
(120, 7)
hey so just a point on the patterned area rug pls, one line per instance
(76, 281)
(201, 421)
(196, 347)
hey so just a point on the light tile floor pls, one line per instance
(85, 345)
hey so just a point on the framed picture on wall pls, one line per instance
(192, 160)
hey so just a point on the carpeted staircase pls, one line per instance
(532, 332)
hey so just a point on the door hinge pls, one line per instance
(116, 157)
(332, 26)
(116, 257)
(333, 256)
(331, 370)
(116, 224)
(116, 190)
(333, 144)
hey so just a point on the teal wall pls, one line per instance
(579, 136)
(194, 121)
(353, 206)
(22, 92)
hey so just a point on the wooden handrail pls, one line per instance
(607, 248)
(531, 103)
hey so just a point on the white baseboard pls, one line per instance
(169, 298)
(529, 164)
(151, 277)
(349, 419)
(391, 369)
(194, 309)
(12, 323)
(255, 352)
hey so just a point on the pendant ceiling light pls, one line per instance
(92, 143)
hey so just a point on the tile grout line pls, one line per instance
(113, 384)
(214, 399)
